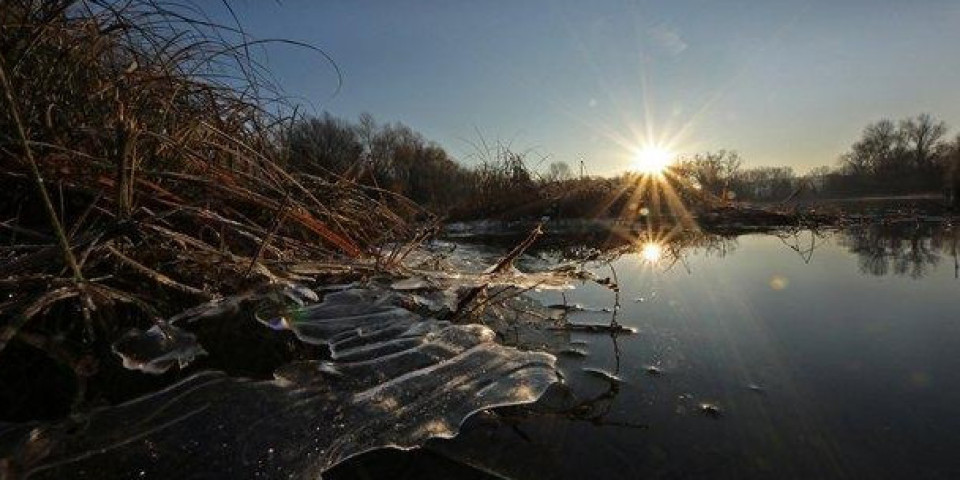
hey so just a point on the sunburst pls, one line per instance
(653, 160)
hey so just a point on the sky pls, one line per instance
(782, 82)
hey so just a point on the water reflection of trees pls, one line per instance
(913, 249)
(802, 241)
(671, 246)
(679, 247)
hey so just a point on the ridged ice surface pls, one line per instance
(157, 349)
(396, 379)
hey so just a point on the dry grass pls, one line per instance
(142, 164)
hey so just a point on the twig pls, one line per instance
(159, 277)
(281, 213)
(507, 261)
(43, 301)
(85, 214)
(499, 267)
(26, 231)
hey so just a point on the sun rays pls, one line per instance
(654, 190)
(653, 196)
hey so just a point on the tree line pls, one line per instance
(395, 158)
(909, 156)
(913, 155)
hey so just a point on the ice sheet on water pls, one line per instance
(396, 380)
(397, 377)
(157, 349)
(511, 278)
(347, 319)
(277, 293)
(412, 283)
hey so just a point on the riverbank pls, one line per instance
(403, 356)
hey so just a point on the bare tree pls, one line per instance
(951, 160)
(325, 145)
(711, 171)
(764, 182)
(880, 151)
(924, 134)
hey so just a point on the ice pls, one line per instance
(397, 375)
(157, 349)
(395, 379)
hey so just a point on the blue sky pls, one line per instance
(782, 82)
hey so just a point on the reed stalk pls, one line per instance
(55, 224)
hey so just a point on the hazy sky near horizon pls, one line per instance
(782, 82)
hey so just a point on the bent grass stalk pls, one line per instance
(68, 257)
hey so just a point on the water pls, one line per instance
(805, 355)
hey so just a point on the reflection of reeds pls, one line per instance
(154, 144)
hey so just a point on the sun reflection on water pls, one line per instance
(651, 252)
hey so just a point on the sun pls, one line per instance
(651, 252)
(653, 160)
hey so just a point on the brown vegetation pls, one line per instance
(143, 170)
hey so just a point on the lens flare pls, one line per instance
(653, 160)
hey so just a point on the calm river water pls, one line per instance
(801, 355)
